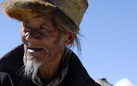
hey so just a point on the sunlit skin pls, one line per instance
(41, 39)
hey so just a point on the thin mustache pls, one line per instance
(35, 45)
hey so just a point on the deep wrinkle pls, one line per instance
(47, 40)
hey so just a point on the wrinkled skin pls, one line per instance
(41, 39)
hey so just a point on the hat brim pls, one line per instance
(25, 9)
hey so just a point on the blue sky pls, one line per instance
(109, 49)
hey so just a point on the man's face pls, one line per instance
(41, 39)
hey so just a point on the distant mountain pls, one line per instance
(103, 82)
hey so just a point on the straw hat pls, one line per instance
(24, 9)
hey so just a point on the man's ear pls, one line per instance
(69, 39)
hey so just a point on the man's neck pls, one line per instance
(50, 69)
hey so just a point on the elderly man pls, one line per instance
(48, 30)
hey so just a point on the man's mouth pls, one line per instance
(35, 49)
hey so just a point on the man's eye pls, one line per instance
(27, 26)
(42, 27)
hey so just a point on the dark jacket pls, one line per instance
(12, 63)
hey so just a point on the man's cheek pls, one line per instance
(24, 38)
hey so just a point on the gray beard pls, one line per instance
(31, 68)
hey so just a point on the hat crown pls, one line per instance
(72, 8)
(25, 9)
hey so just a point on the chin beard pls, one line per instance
(31, 68)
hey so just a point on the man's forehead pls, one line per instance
(39, 19)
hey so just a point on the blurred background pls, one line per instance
(109, 45)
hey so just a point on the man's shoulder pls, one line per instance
(76, 67)
(77, 74)
(15, 51)
(12, 60)
(5, 79)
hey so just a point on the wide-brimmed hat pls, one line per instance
(24, 9)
